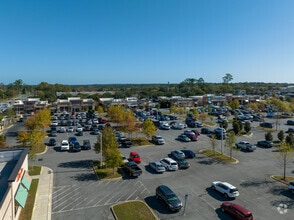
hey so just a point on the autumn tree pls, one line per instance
(148, 128)
(129, 124)
(203, 116)
(230, 143)
(213, 143)
(116, 113)
(285, 151)
(2, 142)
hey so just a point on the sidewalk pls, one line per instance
(43, 201)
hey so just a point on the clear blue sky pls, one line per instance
(146, 41)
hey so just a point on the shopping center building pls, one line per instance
(14, 182)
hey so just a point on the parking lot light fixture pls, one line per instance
(101, 156)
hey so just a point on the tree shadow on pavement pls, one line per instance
(85, 177)
(82, 164)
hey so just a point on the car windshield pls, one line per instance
(172, 197)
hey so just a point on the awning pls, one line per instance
(21, 195)
(26, 180)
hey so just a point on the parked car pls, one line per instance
(125, 142)
(70, 129)
(177, 126)
(196, 132)
(236, 211)
(164, 126)
(291, 186)
(206, 131)
(64, 145)
(169, 164)
(95, 131)
(188, 153)
(157, 139)
(177, 154)
(157, 167)
(62, 130)
(72, 139)
(76, 147)
(182, 163)
(52, 142)
(266, 125)
(86, 145)
(169, 198)
(183, 138)
(134, 156)
(190, 134)
(265, 144)
(228, 190)
(53, 133)
(290, 122)
(290, 130)
(244, 145)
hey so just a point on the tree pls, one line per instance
(269, 136)
(230, 143)
(213, 143)
(281, 135)
(247, 127)
(2, 142)
(116, 113)
(227, 79)
(110, 151)
(148, 128)
(290, 139)
(286, 154)
(225, 124)
(234, 104)
(129, 125)
(236, 127)
(203, 116)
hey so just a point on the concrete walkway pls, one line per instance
(43, 200)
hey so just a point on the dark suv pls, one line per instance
(170, 199)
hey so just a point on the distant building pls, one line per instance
(15, 182)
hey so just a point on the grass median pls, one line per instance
(133, 210)
(216, 155)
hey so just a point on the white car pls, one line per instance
(157, 166)
(228, 190)
(64, 145)
(244, 145)
(169, 164)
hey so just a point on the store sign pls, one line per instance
(19, 175)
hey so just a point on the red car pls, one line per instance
(134, 156)
(237, 211)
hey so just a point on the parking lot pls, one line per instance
(78, 194)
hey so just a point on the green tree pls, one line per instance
(290, 139)
(110, 151)
(236, 127)
(2, 142)
(247, 127)
(281, 135)
(269, 136)
(286, 155)
(230, 143)
(148, 128)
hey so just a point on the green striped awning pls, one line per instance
(26, 180)
(21, 195)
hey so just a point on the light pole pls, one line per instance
(101, 157)
(221, 138)
(186, 198)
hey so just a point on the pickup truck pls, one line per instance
(132, 169)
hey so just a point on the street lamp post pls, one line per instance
(221, 138)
